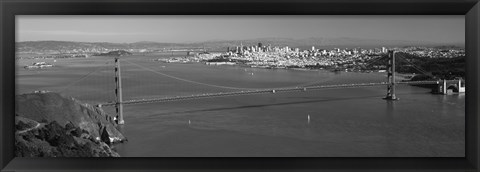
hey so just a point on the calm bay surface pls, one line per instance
(324, 123)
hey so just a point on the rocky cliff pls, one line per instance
(49, 124)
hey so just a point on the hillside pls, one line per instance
(64, 46)
(52, 125)
(115, 53)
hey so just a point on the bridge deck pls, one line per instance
(263, 91)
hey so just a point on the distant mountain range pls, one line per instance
(327, 43)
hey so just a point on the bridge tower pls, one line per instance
(391, 76)
(118, 92)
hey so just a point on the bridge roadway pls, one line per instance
(264, 91)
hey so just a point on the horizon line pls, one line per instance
(251, 39)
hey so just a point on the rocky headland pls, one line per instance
(52, 125)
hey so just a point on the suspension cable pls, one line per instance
(213, 85)
(415, 66)
(81, 78)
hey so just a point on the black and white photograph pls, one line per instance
(240, 86)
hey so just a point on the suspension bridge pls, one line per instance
(391, 83)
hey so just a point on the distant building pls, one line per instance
(241, 48)
(39, 65)
(384, 50)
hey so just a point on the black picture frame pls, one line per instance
(10, 8)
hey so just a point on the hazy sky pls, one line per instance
(183, 29)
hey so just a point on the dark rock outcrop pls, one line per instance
(49, 124)
(53, 140)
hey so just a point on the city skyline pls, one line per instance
(191, 29)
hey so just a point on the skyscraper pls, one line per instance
(241, 47)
